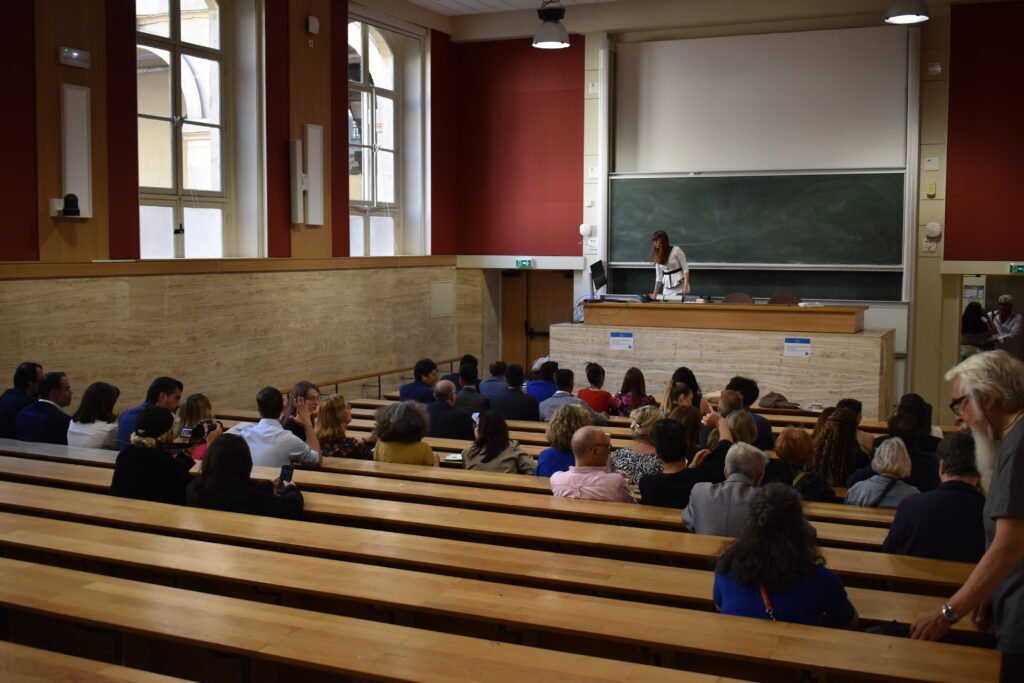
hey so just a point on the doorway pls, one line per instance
(532, 301)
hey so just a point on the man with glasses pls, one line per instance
(988, 399)
(590, 478)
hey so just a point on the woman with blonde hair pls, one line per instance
(639, 458)
(194, 409)
(332, 418)
(558, 457)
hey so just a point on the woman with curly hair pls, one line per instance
(836, 450)
(774, 570)
(638, 458)
(563, 424)
(400, 430)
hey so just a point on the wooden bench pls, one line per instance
(22, 664)
(304, 642)
(599, 576)
(586, 538)
(449, 603)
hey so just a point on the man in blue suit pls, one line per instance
(45, 421)
(25, 390)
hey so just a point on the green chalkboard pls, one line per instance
(850, 218)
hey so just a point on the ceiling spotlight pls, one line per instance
(551, 34)
(907, 12)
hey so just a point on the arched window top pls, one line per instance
(382, 59)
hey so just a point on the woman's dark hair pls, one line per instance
(777, 547)
(973, 320)
(689, 418)
(301, 388)
(823, 417)
(97, 404)
(633, 384)
(669, 440)
(595, 374)
(660, 247)
(836, 447)
(686, 376)
(228, 461)
(914, 404)
(493, 435)
(404, 422)
(153, 423)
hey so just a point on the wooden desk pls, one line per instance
(454, 599)
(22, 664)
(842, 319)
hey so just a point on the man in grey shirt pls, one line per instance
(722, 509)
(988, 398)
(565, 381)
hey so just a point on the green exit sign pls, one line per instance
(524, 263)
(1017, 268)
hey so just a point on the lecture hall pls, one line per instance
(512, 340)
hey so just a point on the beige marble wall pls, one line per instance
(477, 327)
(228, 335)
(841, 365)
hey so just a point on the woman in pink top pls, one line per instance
(633, 394)
(589, 478)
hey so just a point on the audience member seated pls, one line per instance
(721, 509)
(467, 359)
(421, 388)
(749, 391)
(819, 426)
(684, 375)
(632, 395)
(671, 487)
(194, 410)
(333, 416)
(496, 383)
(544, 386)
(589, 478)
(728, 403)
(677, 394)
(558, 457)
(924, 467)
(884, 490)
(492, 450)
(595, 395)
(773, 570)
(44, 420)
(795, 451)
(865, 440)
(400, 430)
(270, 444)
(512, 403)
(444, 419)
(929, 437)
(736, 427)
(94, 424)
(469, 397)
(145, 470)
(163, 392)
(947, 523)
(224, 483)
(309, 392)
(27, 377)
(639, 458)
(836, 451)
(689, 418)
(565, 380)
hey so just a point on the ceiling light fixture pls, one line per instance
(551, 34)
(907, 12)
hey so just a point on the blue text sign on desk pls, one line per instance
(799, 347)
(621, 341)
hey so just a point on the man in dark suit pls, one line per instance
(512, 403)
(748, 389)
(947, 523)
(44, 420)
(422, 387)
(469, 397)
(447, 421)
(25, 391)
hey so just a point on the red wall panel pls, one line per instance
(986, 138)
(18, 194)
(278, 194)
(444, 152)
(519, 140)
(339, 128)
(122, 145)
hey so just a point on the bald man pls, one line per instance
(590, 478)
(447, 421)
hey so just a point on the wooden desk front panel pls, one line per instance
(836, 319)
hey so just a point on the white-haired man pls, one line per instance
(988, 398)
(722, 509)
(1007, 326)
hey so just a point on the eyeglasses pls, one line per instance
(603, 445)
(956, 403)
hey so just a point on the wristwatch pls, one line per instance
(949, 613)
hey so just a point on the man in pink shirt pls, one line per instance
(590, 479)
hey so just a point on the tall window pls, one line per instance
(180, 65)
(374, 137)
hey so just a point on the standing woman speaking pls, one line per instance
(671, 274)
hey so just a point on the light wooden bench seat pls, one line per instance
(419, 599)
(599, 576)
(588, 538)
(23, 664)
(301, 640)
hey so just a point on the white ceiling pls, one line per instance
(455, 7)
